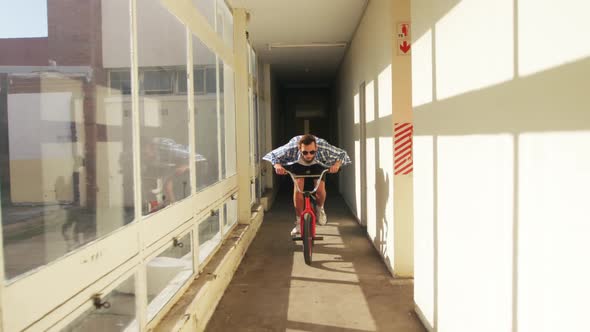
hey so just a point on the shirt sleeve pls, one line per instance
(284, 154)
(330, 154)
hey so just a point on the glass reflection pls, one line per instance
(120, 316)
(228, 120)
(230, 209)
(65, 131)
(209, 236)
(208, 133)
(225, 23)
(163, 107)
(167, 273)
(207, 9)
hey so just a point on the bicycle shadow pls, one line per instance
(347, 288)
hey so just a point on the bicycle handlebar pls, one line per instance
(319, 177)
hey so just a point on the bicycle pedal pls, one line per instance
(320, 238)
(296, 238)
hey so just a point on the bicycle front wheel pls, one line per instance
(307, 238)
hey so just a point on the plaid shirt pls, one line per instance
(289, 153)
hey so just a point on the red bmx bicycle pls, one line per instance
(308, 217)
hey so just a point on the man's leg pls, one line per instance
(298, 197)
(298, 204)
(320, 195)
(169, 191)
(320, 200)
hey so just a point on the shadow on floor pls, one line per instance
(347, 288)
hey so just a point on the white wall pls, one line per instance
(369, 60)
(502, 169)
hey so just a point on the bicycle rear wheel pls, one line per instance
(307, 238)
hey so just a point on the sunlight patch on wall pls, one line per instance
(385, 195)
(475, 179)
(554, 186)
(385, 155)
(474, 47)
(422, 70)
(357, 177)
(551, 33)
(423, 226)
(384, 92)
(370, 102)
(371, 188)
(357, 113)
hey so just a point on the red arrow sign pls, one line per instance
(405, 30)
(404, 47)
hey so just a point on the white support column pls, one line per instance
(242, 116)
(401, 68)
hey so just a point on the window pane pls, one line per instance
(181, 81)
(157, 81)
(65, 133)
(210, 80)
(199, 80)
(119, 317)
(228, 110)
(163, 112)
(167, 273)
(231, 214)
(120, 82)
(207, 124)
(225, 24)
(253, 69)
(207, 9)
(209, 236)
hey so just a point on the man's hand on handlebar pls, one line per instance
(279, 169)
(334, 168)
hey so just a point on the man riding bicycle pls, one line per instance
(302, 153)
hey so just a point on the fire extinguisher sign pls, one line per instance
(404, 42)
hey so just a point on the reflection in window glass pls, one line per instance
(157, 81)
(120, 316)
(65, 134)
(210, 80)
(225, 24)
(228, 121)
(120, 82)
(163, 107)
(207, 117)
(181, 81)
(209, 236)
(253, 70)
(231, 214)
(207, 9)
(167, 273)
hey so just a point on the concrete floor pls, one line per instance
(347, 288)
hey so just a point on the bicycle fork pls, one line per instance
(308, 209)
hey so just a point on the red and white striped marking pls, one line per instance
(402, 147)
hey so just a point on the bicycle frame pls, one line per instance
(307, 197)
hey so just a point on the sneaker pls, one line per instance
(296, 231)
(321, 214)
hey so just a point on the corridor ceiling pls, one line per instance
(302, 22)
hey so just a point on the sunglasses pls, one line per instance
(305, 153)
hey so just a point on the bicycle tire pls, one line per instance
(307, 239)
